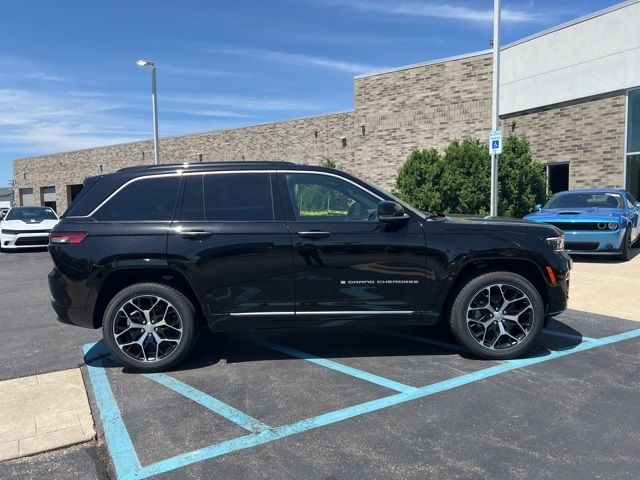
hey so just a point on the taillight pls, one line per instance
(70, 238)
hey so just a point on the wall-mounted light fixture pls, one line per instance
(363, 129)
(200, 155)
(316, 133)
(344, 141)
(100, 167)
(513, 126)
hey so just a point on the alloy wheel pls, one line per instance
(500, 316)
(147, 328)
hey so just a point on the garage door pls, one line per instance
(26, 197)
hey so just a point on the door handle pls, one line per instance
(314, 234)
(194, 233)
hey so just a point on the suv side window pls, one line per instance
(324, 198)
(148, 199)
(244, 197)
(193, 199)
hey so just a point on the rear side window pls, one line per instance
(143, 200)
(193, 200)
(238, 197)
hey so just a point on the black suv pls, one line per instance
(152, 253)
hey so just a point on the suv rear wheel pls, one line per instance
(149, 327)
(497, 315)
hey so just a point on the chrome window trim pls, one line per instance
(181, 173)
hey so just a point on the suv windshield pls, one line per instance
(28, 214)
(586, 200)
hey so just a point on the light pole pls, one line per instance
(495, 112)
(154, 103)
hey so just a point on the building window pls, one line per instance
(73, 191)
(557, 177)
(26, 197)
(48, 197)
(632, 180)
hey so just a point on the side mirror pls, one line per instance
(391, 212)
(538, 207)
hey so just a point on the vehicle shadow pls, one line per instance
(338, 343)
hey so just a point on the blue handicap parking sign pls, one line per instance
(495, 144)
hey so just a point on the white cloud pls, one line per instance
(198, 72)
(435, 10)
(298, 59)
(45, 76)
(36, 122)
(208, 113)
(240, 102)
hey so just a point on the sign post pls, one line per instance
(495, 151)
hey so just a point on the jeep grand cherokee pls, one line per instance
(150, 254)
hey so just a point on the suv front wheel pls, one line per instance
(497, 315)
(149, 327)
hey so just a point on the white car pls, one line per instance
(27, 227)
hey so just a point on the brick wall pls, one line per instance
(426, 106)
(588, 133)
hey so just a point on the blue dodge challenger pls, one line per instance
(595, 222)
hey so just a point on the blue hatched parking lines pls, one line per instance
(227, 411)
(354, 372)
(127, 465)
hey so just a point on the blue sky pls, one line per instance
(68, 77)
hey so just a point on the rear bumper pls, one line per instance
(589, 243)
(69, 304)
(73, 316)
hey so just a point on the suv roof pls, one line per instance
(240, 165)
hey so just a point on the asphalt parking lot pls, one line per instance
(338, 403)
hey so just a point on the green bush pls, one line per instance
(458, 181)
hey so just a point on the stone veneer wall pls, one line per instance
(395, 112)
(587, 133)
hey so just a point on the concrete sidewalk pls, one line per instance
(43, 412)
(606, 286)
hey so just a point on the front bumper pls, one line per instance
(594, 243)
(24, 240)
(558, 295)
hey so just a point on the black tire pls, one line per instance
(625, 254)
(186, 316)
(471, 290)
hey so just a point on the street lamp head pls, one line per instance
(145, 63)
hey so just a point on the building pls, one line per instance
(571, 89)
(6, 197)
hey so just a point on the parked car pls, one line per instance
(26, 227)
(152, 253)
(3, 212)
(595, 222)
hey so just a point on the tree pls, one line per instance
(458, 181)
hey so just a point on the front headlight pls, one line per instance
(557, 243)
(612, 226)
(6, 231)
